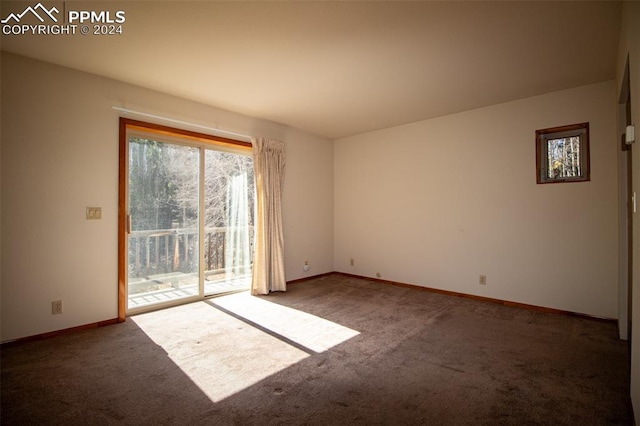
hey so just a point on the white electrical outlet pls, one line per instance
(56, 307)
(483, 280)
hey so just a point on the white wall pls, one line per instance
(630, 45)
(437, 203)
(60, 155)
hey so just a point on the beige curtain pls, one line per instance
(268, 260)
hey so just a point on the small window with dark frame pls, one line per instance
(562, 154)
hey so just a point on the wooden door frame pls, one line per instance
(628, 204)
(123, 176)
(628, 153)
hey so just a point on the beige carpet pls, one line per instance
(334, 350)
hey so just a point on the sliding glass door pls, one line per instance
(163, 215)
(189, 216)
(228, 239)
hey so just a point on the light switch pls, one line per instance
(630, 134)
(94, 213)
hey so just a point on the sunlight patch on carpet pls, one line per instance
(224, 353)
(310, 331)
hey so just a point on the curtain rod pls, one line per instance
(184, 123)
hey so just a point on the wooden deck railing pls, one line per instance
(176, 250)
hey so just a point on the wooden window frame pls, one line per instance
(544, 135)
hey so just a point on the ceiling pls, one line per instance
(342, 68)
